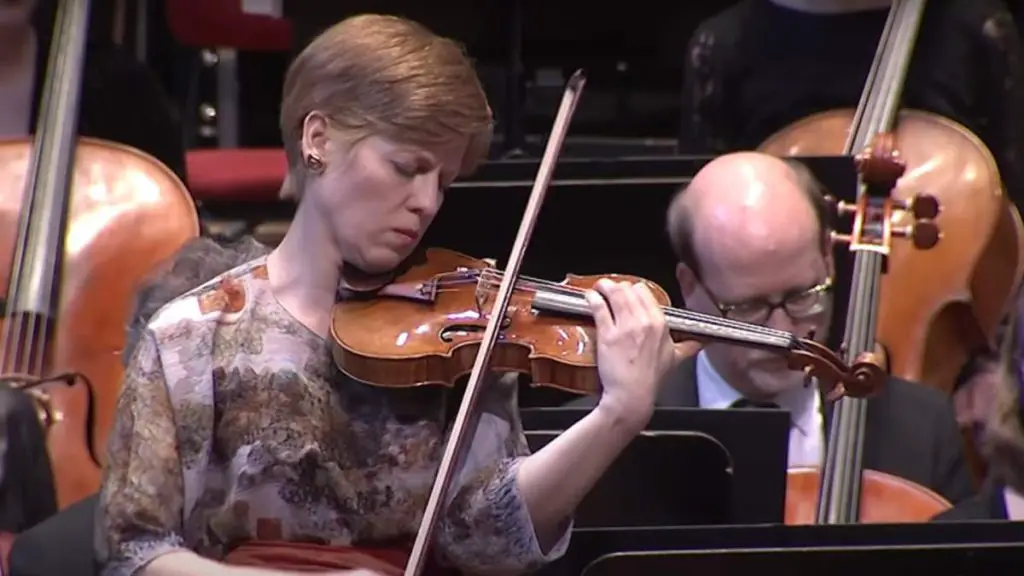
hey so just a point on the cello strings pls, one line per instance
(13, 330)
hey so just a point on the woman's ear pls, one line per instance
(314, 136)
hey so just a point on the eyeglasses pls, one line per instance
(797, 305)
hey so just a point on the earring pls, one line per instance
(314, 163)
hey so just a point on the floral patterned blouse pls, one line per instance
(234, 424)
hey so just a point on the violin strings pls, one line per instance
(490, 278)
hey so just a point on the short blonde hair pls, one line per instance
(387, 76)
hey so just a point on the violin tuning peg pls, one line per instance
(925, 207)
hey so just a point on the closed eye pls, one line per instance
(405, 170)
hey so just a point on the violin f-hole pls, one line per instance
(449, 334)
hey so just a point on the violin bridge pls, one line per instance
(417, 291)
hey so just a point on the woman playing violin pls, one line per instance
(234, 425)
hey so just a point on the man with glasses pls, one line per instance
(751, 244)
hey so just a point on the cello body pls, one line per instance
(941, 305)
(127, 214)
(884, 499)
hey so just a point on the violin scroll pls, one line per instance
(863, 378)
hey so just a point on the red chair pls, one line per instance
(236, 174)
(230, 173)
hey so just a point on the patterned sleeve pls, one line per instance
(487, 527)
(142, 499)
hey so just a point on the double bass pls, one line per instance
(930, 303)
(83, 222)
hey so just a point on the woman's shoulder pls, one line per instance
(197, 266)
(232, 325)
(223, 300)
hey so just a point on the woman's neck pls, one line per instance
(305, 270)
(832, 6)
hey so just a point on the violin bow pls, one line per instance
(459, 437)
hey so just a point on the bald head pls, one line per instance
(741, 206)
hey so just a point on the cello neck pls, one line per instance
(883, 89)
(32, 291)
(839, 500)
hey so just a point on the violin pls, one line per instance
(429, 319)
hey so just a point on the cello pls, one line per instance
(937, 307)
(930, 304)
(93, 219)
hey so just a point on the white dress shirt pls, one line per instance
(807, 429)
(1014, 504)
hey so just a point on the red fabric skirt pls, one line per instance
(302, 557)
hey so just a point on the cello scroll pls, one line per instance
(875, 211)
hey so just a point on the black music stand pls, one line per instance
(660, 479)
(935, 560)
(725, 542)
(756, 442)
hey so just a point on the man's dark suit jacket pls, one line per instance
(987, 504)
(911, 431)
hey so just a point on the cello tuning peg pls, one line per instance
(924, 234)
(838, 238)
(925, 207)
(845, 208)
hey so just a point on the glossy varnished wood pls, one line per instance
(128, 213)
(885, 499)
(407, 345)
(937, 305)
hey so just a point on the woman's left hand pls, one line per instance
(634, 349)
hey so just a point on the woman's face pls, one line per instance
(379, 196)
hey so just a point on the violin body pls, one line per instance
(418, 341)
(128, 213)
(941, 305)
(884, 499)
